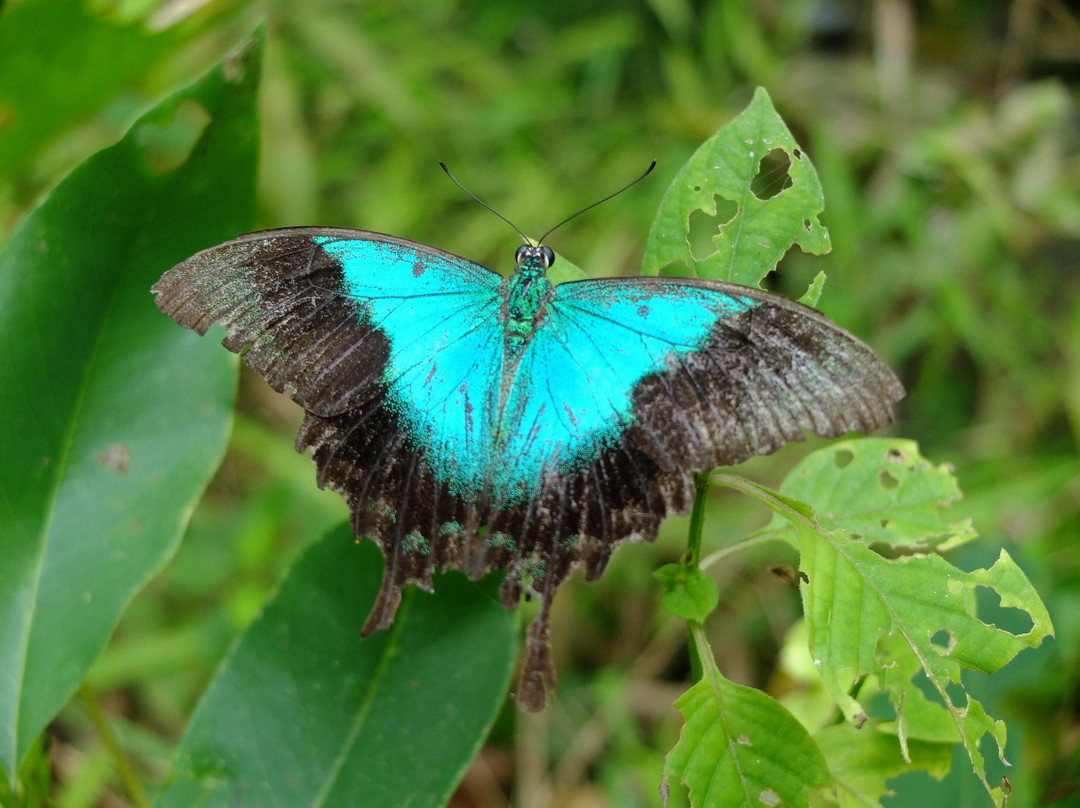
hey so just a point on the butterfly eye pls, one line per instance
(547, 256)
(519, 256)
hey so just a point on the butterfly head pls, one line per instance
(534, 258)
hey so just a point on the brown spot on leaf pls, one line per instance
(786, 573)
(115, 456)
(769, 797)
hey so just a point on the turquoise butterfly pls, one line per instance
(477, 422)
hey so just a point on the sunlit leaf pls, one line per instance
(740, 747)
(747, 195)
(812, 296)
(869, 615)
(861, 762)
(879, 490)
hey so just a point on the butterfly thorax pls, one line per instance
(526, 293)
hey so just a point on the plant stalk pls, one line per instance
(132, 785)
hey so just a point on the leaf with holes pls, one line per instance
(879, 490)
(740, 202)
(740, 747)
(305, 712)
(895, 618)
(862, 761)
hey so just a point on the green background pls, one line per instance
(945, 137)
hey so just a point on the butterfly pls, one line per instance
(478, 422)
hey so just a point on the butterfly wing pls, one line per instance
(678, 376)
(393, 348)
(723, 372)
(631, 384)
(314, 310)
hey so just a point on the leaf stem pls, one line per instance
(731, 549)
(762, 494)
(697, 520)
(108, 735)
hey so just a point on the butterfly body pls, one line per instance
(476, 422)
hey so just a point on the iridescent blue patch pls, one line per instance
(494, 422)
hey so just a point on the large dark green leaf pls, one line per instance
(304, 712)
(113, 418)
(59, 64)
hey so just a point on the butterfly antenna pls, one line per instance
(485, 204)
(648, 170)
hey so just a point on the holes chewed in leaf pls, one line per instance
(676, 269)
(843, 457)
(887, 479)
(943, 641)
(957, 694)
(704, 227)
(894, 455)
(772, 177)
(989, 610)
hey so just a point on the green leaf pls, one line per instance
(739, 747)
(79, 62)
(304, 712)
(734, 209)
(893, 618)
(689, 592)
(861, 762)
(879, 490)
(114, 419)
(813, 292)
(562, 271)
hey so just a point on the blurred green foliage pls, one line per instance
(946, 141)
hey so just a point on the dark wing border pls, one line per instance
(281, 297)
